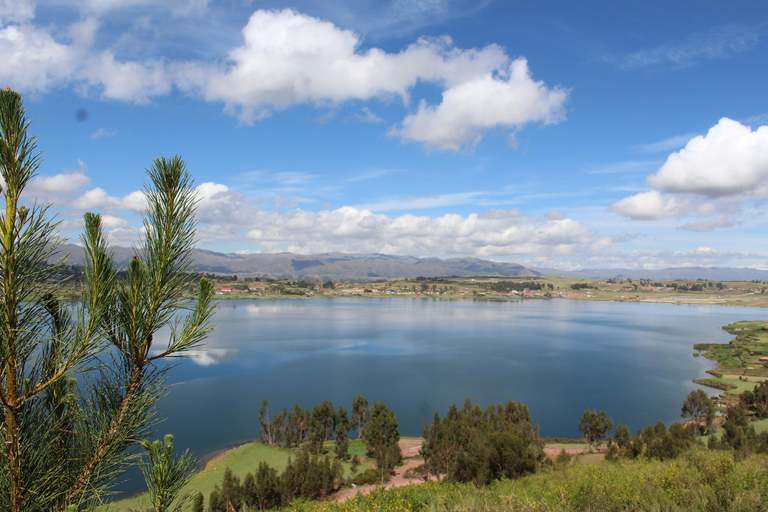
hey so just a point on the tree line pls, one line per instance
(518, 286)
(307, 476)
(663, 442)
(312, 474)
(478, 445)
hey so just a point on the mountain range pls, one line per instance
(369, 267)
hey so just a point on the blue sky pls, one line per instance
(554, 134)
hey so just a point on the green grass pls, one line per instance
(567, 446)
(737, 386)
(698, 480)
(241, 461)
(760, 426)
(737, 358)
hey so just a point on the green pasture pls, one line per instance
(242, 460)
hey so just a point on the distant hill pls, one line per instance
(369, 267)
(333, 266)
(681, 273)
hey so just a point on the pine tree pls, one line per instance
(166, 475)
(381, 437)
(64, 440)
(360, 413)
(230, 491)
(341, 429)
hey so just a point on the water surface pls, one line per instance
(422, 355)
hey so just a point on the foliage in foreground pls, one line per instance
(79, 384)
(699, 480)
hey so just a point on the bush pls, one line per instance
(367, 477)
(472, 445)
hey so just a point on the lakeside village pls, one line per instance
(744, 293)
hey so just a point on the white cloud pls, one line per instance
(366, 116)
(125, 236)
(470, 109)
(668, 144)
(16, 11)
(755, 121)
(710, 177)
(32, 60)
(421, 202)
(721, 221)
(83, 33)
(101, 133)
(98, 199)
(718, 43)
(623, 167)
(496, 213)
(290, 58)
(179, 7)
(554, 215)
(50, 187)
(287, 58)
(135, 202)
(729, 161)
(700, 257)
(499, 233)
(110, 221)
(95, 199)
(372, 174)
(219, 205)
(651, 205)
(126, 81)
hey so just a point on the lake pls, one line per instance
(634, 360)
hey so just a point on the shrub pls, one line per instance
(367, 477)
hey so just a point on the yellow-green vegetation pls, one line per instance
(698, 480)
(743, 293)
(567, 446)
(623, 290)
(739, 367)
(242, 460)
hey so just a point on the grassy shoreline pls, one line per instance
(738, 362)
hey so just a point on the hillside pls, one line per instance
(666, 274)
(333, 266)
(370, 267)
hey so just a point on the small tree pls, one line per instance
(341, 430)
(595, 426)
(266, 432)
(198, 504)
(165, 475)
(700, 408)
(216, 503)
(623, 436)
(360, 414)
(268, 487)
(230, 491)
(381, 437)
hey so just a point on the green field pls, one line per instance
(242, 460)
(739, 293)
(738, 368)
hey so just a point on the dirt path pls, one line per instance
(410, 449)
(554, 452)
